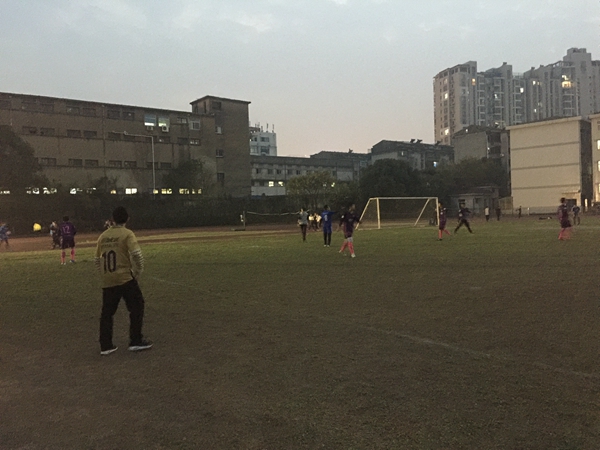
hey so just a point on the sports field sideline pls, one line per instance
(480, 341)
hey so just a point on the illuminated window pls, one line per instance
(49, 190)
(280, 183)
(184, 191)
(194, 141)
(75, 191)
(446, 96)
(150, 120)
(130, 191)
(113, 191)
(166, 191)
(271, 183)
(4, 192)
(446, 131)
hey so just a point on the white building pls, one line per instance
(263, 141)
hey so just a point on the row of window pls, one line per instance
(289, 171)
(268, 183)
(75, 162)
(121, 191)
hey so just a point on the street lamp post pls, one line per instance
(125, 133)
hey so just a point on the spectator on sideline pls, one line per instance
(563, 218)
(487, 213)
(119, 259)
(498, 212)
(67, 233)
(576, 219)
(348, 220)
(4, 233)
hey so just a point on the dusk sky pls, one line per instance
(329, 74)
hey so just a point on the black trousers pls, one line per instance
(303, 228)
(464, 222)
(327, 237)
(134, 300)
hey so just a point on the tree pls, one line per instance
(187, 175)
(311, 189)
(390, 178)
(19, 168)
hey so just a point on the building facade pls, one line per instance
(84, 145)
(551, 159)
(499, 98)
(263, 142)
(420, 156)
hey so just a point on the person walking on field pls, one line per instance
(67, 233)
(463, 218)
(303, 222)
(576, 219)
(348, 221)
(563, 218)
(498, 212)
(4, 233)
(120, 262)
(326, 216)
(442, 222)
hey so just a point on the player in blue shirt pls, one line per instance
(67, 233)
(326, 217)
(4, 234)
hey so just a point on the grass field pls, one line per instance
(482, 341)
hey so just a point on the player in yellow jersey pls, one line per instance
(119, 259)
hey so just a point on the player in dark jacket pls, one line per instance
(442, 221)
(563, 218)
(348, 221)
(463, 218)
(67, 233)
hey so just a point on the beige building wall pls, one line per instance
(546, 163)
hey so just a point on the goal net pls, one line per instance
(387, 212)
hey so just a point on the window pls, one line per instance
(194, 125)
(47, 161)
(221, 177)
(114, 136)
(29, 130)
(129, 137)
(113, 114)
(165, 165)
(216, 105)
(150, 120)
(280, 183)
(184, 191)
(128, 115)
(91, 112)
(194, 141)
(130, 191)
(290, 171)
(297, 172)
(149, 165)
(4, 104)
(164, 139)
(264, 139)
(91, 163)
(259, 170)
(264, 150)
(130, 164)
(74, 133)
(218, 130)
(73, 110)
(88, 134)
(271, 184)
(29, 106)
(278, 171)
(114, 163)
(166, 191)
(182, 141)
(182, 120)
(253, 139)
(76, 162)
(47, 107)
(220, 153)
(270, 171)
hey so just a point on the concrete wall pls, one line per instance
(546, 163)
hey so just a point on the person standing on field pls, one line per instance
(303, 222)
(4, 233)
(67, 233)
(326, 217)
(119, 260)
(487, 213)
(576, 219)
(348, 221)
(463, 218)
(442, 222)
(563, 218)
(498, 212)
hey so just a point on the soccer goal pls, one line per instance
(384, 212)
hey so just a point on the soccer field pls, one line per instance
(481, 341)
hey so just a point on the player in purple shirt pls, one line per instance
(442, 222)
(348, 221)
(67, 233)
(563, 218)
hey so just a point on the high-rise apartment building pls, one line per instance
(263, 141)
(499, 98)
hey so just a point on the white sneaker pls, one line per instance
(108, 351)
(353, 255)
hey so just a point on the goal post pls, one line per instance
(388, 212)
